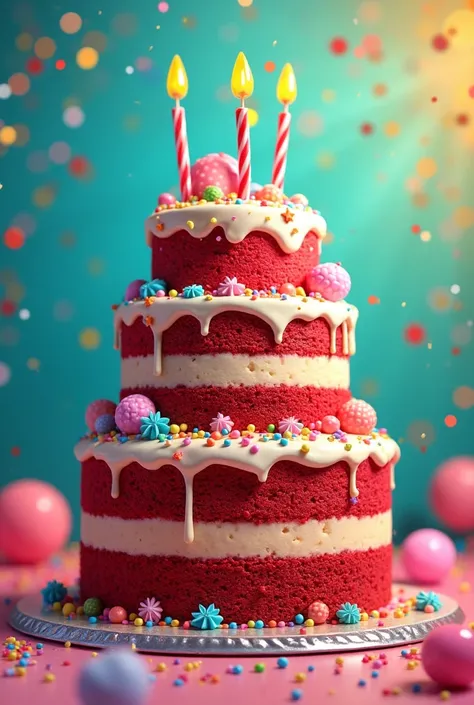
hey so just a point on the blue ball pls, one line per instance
(233, 625)
(148, 623)
(375, 674)
(299, 619)
(362, 683)
(259, 624)
(296, 694)
(118, 677)
(311, 668)
(237, 669)
(282, 662)
(92, 620)
(23, 662)
(416, 688)
(105, 423)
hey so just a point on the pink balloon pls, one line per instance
(448, 655)
(452, 493)
(35, 521)
(428, 555)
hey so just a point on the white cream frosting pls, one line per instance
(162, 537)
(227, 369)
(237, 221)
(278, 313)
(197, 456)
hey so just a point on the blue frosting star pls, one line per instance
(53, 592)
(154, 426)
(427, 598)
(150, 288)
(348, 614)
(207, 617)
(191, 292)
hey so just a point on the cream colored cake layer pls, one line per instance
(160, 537)
(226, 369)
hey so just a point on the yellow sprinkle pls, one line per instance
(375, 614)
(339, 661)
(300, 677)
(201, 434)
(411, 665)
(160, 667)
(396, 690)
(138, 622)
(57, 606)
(175, 622)
(12, 656)
(414, 650)
(300, 291)
(213, 220)
(348, 447)
(174, 428)
(67, 644)
(68, 608)
(194, 435)
(251, 624)
(248, 292)
(305, 299)
(94, 654)
(20, 671)
(267, 218)
(134, 647)
(465, 586)
(10, 640)
(444, 695)
(208, 297)
(183, 427)
(287, 434)
(305, 431)
(305, 448)
(173, 293)
(364, 616)
(49, 677)
(331, 439)
(189, 666)
(190, 224)
(132, 617)
(251, 428)
(309, 623)
(398, 613)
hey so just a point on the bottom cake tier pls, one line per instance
(261, 536)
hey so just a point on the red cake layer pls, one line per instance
(230, 332)
(292, 493)
(257, 261)
(243, 589)
(259, 405)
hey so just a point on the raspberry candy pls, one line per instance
(318, 612)
(129, 413)
(358, 417)
(331, 280)
(98, 408)
(215, 170)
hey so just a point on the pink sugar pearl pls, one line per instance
(288, 288)
(448, 656)
(98, 408)
(130, 411)
(166, 199)
(452, 494)
(117, 615)
(331, 280)
(428, 555)
(318, 612)
(133, 289)
(358, 417)
(215, 170)
(330, 424)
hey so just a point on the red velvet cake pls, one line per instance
(237, 471)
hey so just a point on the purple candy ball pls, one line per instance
(129, 413)
(133, 289)
(105, 423)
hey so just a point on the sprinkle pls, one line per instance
(259, 667)
(296, 694)
(445, 695)
(178, 681)
(190, 224)
(282, 662)
(49, 677)
(300, 677)
(254, 449)
(305, 448)
(237, 670)
(362, 683)
(259, 624)
(67, 644)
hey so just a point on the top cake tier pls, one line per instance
(262, 244)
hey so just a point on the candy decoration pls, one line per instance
(230, 287)
(53, 592)
(358, 417)
(242, 87)
(318, 612)
(448, 655)
(452, 494)
(117, 615)
(428, 555)
(166, 199)
(93, 607)
(207, 617)
(299, 199)
(152, 288)
(219, 170)
(348, 613)
(154, 425)
(212, 193)
(330, 424)
(119, 677)
(193, 291)
(428, 599)
(131, 410)
(290, 425)
(330, 280)
(96, 409)
(105, 423)
(221, 423)
(286, 94)
(288, 288)
(270, 192)
(177, 87)
(35, 521)
(150, 610)
(133, 289)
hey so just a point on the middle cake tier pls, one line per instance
(257, 359)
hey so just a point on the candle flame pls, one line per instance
(242, 79)
(177, 81)
(286, 86)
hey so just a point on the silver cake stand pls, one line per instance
(29, 618)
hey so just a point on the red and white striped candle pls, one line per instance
(182, 151)
(243, 145)
(281, 148)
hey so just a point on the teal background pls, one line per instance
(85, 237)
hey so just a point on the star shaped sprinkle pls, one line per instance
(288, 215)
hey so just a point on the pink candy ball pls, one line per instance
(117, 615)
(318, 612)
(299, 199)
(448, 655)
(129, 413)
(133, 289)
(215, 170)
(35, 521)
(98, 408)
(330, 424)
(452, 493)
(166, 199)
(288, 288)
(330, 280)
(428, 555)
(270, 192)
(358, 417)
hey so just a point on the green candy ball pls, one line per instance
(271, 428)
(93, 607)
(212, 193)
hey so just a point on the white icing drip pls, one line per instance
(197, 456)
(278, 313)
(237, 221)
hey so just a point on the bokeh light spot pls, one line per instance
(270, 66)
(163, 7)
(253, 117)
(96, 40)
(459, 27)
(79, 167)
(125, 24)
(24, 41)
(45, 47)
(439, 42)
(70, 23)
(44, 196)
(22, 135)
(426, 167)
(87, 58)
(59, 153)
(425, 236)
(310, 123)
(67, 239)
(5, 374)
(19, 83)
(7, 307)
(60, 64)
(63, 310)
(33, 364)
(392, 128)
(373, 300)
(338, 46)
(14, 238)
(34, 66)
(89, 338)
(326, 160)
(439, 299)
(245, 3)
(367, 128)
(463, 397)
(73, 116)
(421, 433)
(328, 95)
(5, 91)
(414, 334)
(450, 420)
(379, 90)
(190, 21)
(461, 334)
(7, 135)
(96, 266)
(37, 162)
(463, 216)
(369, 12)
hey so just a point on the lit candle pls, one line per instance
(242, 87)
(286, 94)
(177, 87)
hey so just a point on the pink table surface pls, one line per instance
(273, 686)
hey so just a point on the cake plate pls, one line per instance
(29, 618)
